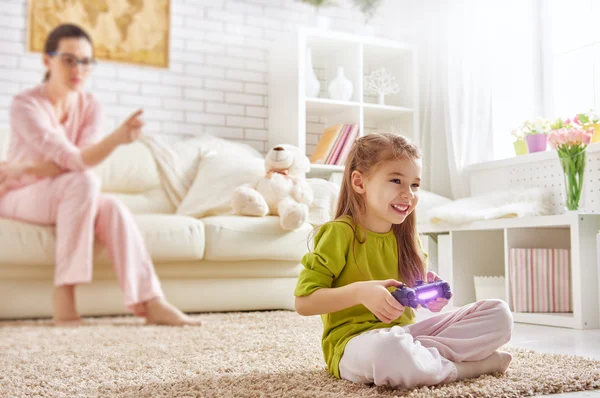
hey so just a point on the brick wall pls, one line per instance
(218, 74)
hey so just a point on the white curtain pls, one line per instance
(477, 60)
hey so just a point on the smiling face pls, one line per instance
(390, 193)
(70, 65)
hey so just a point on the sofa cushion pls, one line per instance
(237, 238)
(219, 175)
(129, 169)
(153, 201)
(171, 238)
(168, 238)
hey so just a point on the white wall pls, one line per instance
(217, 79)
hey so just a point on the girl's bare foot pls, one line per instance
(497, 362)
(160, 312)
(506, 359)
(65, 313)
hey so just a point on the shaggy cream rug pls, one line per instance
(256, 354)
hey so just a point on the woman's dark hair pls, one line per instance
(63, 31)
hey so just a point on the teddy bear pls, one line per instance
(283, 191)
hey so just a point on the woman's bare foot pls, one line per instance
(160, 312)
(497, 362)
(64, 310)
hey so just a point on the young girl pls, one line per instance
(371, 247)
(56, 139)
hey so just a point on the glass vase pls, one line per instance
(573, 165)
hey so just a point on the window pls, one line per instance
(571, 57)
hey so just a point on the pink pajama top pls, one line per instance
(37, 135)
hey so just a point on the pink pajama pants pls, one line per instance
(72, 201)
(424, 353)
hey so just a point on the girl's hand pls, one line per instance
(432, 277)
(375, 296)
(440, 302)
(131, 129)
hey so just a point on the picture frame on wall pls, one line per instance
(133, 31)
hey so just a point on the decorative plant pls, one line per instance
(590, 117)
(518, 134)
(537, 126)
(520, 144)
(368, 8)
(318, 3)
(381, 82)
(570, 141)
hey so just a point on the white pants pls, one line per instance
(423, 354)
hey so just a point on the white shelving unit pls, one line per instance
(299, 120)
(482, 249)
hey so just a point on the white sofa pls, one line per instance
(217, 263)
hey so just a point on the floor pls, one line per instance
(555, 340)
(559, 341)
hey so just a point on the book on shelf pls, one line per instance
(335, 143)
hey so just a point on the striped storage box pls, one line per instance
(540, 280)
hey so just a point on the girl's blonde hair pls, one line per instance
(366, 155)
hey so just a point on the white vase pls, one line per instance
(381, 98)
(340, 88)
(312, 83)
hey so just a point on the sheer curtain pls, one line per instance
(478, 61)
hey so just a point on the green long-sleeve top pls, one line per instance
(339, 259)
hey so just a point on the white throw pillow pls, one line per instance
(499, 204)
(219, 174)
(428, 201)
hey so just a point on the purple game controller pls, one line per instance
(422, 293)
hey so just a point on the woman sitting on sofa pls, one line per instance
(56, 138)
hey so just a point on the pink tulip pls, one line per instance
(587, 136)
(561, 136)
(572, 136)
(553, 140)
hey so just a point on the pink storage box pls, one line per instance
(540, 280)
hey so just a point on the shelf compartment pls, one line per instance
(323, 107)
(324, 170)
(328, 54)
(559, 319)
(400, 63)
(528, 271)
(474, 253)
(386, 118)
(322, 113)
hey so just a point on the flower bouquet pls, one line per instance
(590, 120)
(520, 144)
(535, 132)
(570, 140)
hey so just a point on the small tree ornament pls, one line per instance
(381, 82)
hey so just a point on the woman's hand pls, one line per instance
(375, 296)
(11, 175)
(131, 129)
(440, 302)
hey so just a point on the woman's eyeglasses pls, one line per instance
(71, 60)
